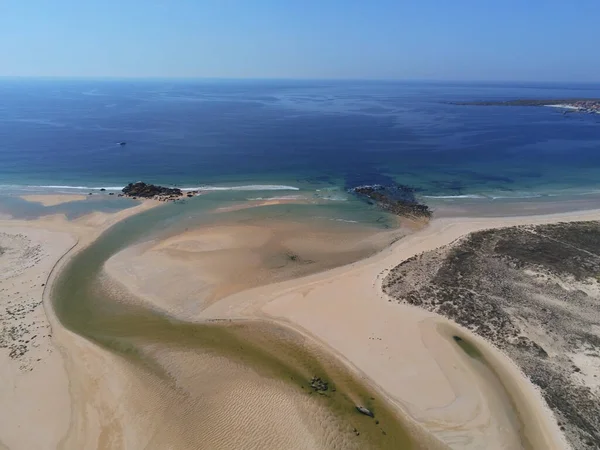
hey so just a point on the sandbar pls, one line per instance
(53, 199)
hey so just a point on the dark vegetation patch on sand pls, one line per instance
(21, 329)
(534, 291)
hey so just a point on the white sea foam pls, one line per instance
(57, 188)
(563, 106)
(516, 197)
(281, 197)
(456, 196)
(250, 187)
(36, 188)
(334, 198)
(81, 188)
(336, 219)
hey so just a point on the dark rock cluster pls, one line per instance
(396, 199)
(318, 384)
(144, 190)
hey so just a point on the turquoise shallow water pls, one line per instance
(20, 209)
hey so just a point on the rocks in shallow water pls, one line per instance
(144, 190)
(365, 411)
(398, 199)
(318, 384)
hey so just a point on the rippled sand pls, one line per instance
(157, 388)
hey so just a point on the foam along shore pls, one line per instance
(39, 360)
(53, 199)
(565, 106)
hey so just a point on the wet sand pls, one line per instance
(419, 370)
(53, 199)
(284, 361)
(395, 354)
(184, 273)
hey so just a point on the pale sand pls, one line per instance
(397, 347)
(183, 274)
(35, 351)
(33, 382)
(267, 202)
(107, 403)
(53, 199)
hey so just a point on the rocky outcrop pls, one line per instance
(144, 190)
(319, 384)
(396, 199)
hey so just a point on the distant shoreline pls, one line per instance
(585, 105)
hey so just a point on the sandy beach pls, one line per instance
(406, 354)
(398, 347)
(35, 351)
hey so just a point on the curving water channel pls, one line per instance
(84, 305)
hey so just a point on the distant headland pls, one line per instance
(584, 105)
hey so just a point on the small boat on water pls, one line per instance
(122, 143)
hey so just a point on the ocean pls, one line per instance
(315, 136)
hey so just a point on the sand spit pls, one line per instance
(399, 347)
(534, 291)
(53, 199)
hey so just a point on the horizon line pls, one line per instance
(287, 79)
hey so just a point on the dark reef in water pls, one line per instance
(144, 190)
(397, 199)
(534, 291)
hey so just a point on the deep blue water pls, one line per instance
(298, 133)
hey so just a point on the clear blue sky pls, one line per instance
(544, 40)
